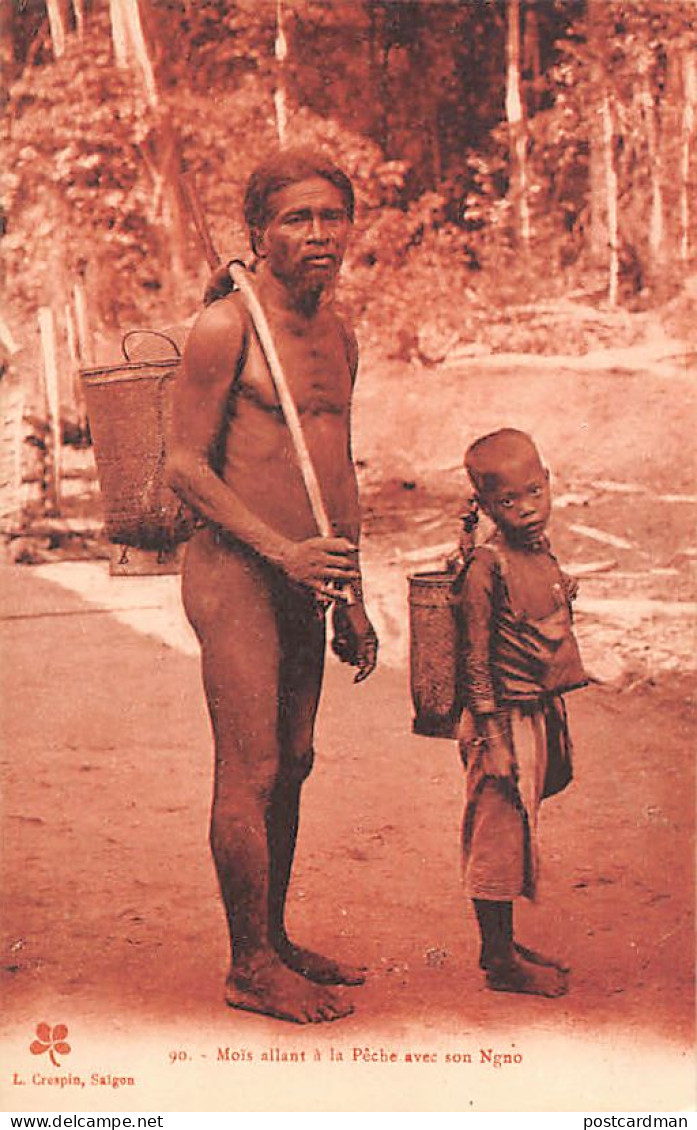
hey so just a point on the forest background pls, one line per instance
(526, 180)
(501, 149)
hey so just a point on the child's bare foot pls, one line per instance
(274, 990)
(516, 976)
(533, 957)
(316, 967)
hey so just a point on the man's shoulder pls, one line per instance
(223, 315)
(222, 325)
(217, 340)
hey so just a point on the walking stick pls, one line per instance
(238, 274)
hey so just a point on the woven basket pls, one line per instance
(129, 407)
(434, 654)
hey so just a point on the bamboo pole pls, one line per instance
(47, 332)
(238, 274)
(290, 412)
(239, 277)
(193, 203)
(291, 415)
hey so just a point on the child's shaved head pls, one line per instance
(487, 456)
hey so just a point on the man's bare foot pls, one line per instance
(274, 990)
(516, 976)
(534, 957)
(316, 967)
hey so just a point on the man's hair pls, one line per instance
(484, 457)
(283, 168)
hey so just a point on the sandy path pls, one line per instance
(111, 910)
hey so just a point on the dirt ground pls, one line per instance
(112, 923)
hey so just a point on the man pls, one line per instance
(257, 578)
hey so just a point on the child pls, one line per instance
(520, 654)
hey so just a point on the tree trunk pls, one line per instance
(56, 20)
(130, 12)
(85, 339)
(656, 217)
(516, 124)
(79, 10)
(531, 58)
(47, 331)
(76, 364)
(6, 337)
(611, 198)
(597, 187)
(172, 203)
(119, 35)
(281, 52)
(687, 140)
(130, 45)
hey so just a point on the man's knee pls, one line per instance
(298, 765)
(244, 785)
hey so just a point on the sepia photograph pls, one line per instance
(348, 497)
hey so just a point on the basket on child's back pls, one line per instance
(435, 653)
(129, 407)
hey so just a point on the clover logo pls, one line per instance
(50, 1040)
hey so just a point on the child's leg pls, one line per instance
(495, 921)
(511, 968)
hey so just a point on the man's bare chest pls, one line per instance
(315, 368)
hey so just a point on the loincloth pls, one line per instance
(500, 842)
(222, 577)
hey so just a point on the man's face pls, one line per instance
(520, 503)
(305, 240)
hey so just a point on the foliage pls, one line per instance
(77, 182)
(408, 96)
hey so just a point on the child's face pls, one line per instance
(520, 502)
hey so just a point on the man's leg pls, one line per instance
(228, 600)
(301, 671)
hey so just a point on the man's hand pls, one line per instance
(354, 640)
(218, 286)
(325, 565)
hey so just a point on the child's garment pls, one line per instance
(520, 655)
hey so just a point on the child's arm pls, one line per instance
(478, 611)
